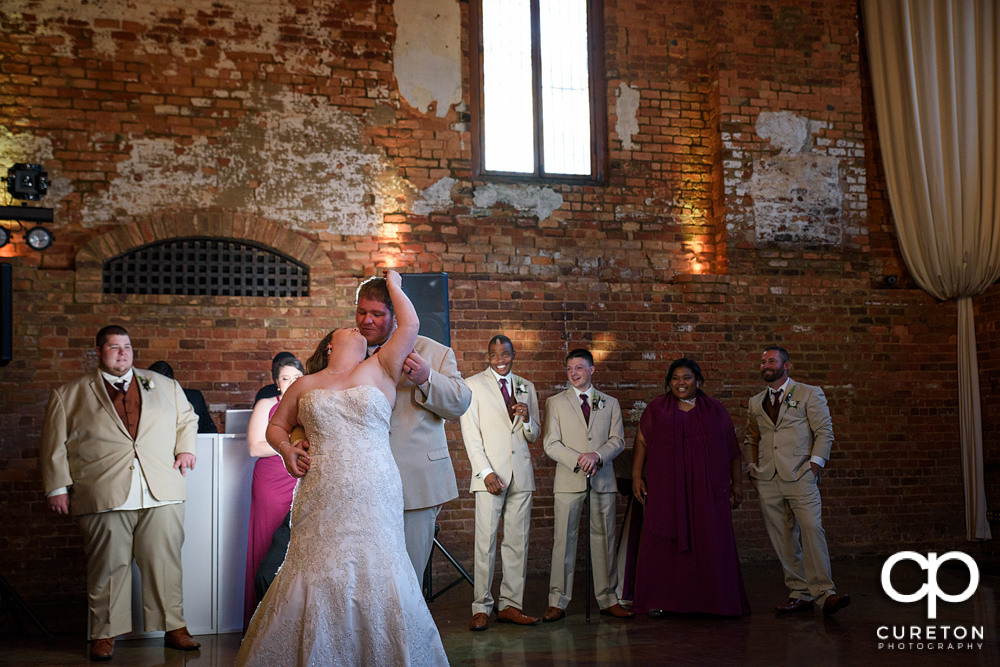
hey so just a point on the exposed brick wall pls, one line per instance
(165, 121)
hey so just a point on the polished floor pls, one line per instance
(761, 638)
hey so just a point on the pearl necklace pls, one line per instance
(348, 370)
(689, 401)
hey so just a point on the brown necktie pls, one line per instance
(774, 407)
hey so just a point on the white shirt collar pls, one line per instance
(783, 388)
(588, 391)
(112, 379)
(502, 377)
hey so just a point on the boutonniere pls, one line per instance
(146, 383)
(519, 388)
(597, 401)
(788, 399)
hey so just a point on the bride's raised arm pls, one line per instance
(393, 354)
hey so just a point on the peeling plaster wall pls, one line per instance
(628, 114)
(797, 195)
(427, 56)
(540, 201)
(295, 158)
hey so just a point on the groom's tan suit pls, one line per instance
(493, 440)
(89, 449)
(779, 455)
(567, 436)
(420, 445)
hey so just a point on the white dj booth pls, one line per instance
(216, 518)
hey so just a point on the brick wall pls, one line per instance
(284, 124)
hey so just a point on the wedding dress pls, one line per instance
(346, 593)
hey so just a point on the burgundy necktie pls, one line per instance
(585, 405)
(503, 390)
(120, 386)
(774, 407)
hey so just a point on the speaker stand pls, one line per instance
(12, 606)
(429, 594)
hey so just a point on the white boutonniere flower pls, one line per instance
(788, 399)
(519, 388)
(597, 401)
(146, 383)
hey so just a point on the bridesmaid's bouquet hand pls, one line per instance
(295, 457)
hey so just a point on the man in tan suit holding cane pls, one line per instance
(790, 434)
(115, 449)
(583, 434)
(500, 423)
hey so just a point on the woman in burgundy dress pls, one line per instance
(272, 486)
(687, 560)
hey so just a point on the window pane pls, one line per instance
(507, 115)
(565, 87)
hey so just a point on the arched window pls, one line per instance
(205, 267)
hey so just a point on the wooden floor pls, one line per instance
(761, 638)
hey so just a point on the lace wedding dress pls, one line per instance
(346, 593)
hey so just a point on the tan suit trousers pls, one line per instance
(568, 507)
(154, 537)
(515, 506)
(792, 510)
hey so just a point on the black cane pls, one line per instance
(589, 576)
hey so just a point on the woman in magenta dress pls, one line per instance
(687, 560)
(271, 490)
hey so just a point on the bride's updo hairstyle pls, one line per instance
(321, 356)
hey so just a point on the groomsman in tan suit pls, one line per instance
(430, 391)
(790, 434)
(500, 423)
(116, 446)
(583, 434)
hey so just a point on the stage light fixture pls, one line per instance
(27, 181)
(4, 237)
(38, 238)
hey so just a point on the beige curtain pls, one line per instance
(935, 77)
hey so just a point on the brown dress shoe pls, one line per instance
(181, 640)
(553, 614)
(479, 622)
(617, 611)
(514, 615)
(835, 603)
(795, 605)
(102, 649)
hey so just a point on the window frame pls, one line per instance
(598, 101)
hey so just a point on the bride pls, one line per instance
(346, 593)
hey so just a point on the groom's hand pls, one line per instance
(416, 369)
(295, 457)
(493, 484)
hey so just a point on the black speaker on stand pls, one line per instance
(6, 314)
(429, 294)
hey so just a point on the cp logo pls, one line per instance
(930, 590)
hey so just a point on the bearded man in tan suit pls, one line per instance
(502, 420)
(790, 435)
(430, 391)
(583, 435)
(116, 446)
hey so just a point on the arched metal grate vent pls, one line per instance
(205, 267)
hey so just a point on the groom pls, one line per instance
(430, 391)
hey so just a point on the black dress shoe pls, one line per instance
(794, 606)
(656, 613)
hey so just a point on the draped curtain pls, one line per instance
(934, 67)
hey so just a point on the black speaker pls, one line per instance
(6, 314)
(429, 294)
